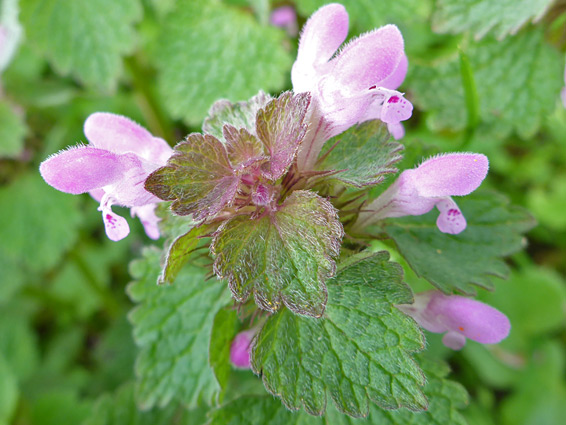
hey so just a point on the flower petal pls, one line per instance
(369, 59)
(116, 227)
(473, 319)
(81, 169)
(450, 220)
(395, 109)
(397, 130)
(148, 218)
(454, 174)
(321, 37)
(121, 135)
(394, 80)
(454, 340)
(240, 349)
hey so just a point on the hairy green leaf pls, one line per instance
(506, 104)
(283, 257)
(83, 38)
(445, 396)
(363, 154)
(198, 178)
(223, 49)
(359, 351)
(172, 325)
(502, 17)
(473, 257)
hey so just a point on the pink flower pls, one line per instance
(112, 168)
(285, 17)
(241, 348)
(459, 317)
(356, 85)
(419, 190)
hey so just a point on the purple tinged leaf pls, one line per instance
(282, 258)
(238, 115)
(244, 149)
(281, 128)
(198, 178)
(459, 317)
(81, 169)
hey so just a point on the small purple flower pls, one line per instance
(459, 317)
(112, 168)
(285, 17)
(419, 190)
(240, 349)
(355, 85)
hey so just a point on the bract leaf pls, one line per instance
(172, 325)
(198, 178)
(239, 115)
(364, 153)
(284, 257)
(243, 148)
(180, 252)
(473, 257)
(358, 352)
(281, 128)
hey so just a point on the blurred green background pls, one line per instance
(482, 77)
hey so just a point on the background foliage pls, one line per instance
(483, 78)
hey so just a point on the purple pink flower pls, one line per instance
(240, 349)
(355, 85)
(285, 17)
(459, 318)
(112, 168)
(433, 183)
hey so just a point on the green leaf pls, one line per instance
(9, 392)
(445, 397)
(200, 58)
(60, 406)
(224, 329)
(198, 178)
(507, 104)
(473, 257)
(83, 38)
(12, 131)
(359, 351)
(283, 257)
(364, 153)
(239, 115)
(118, 408)
(180, 252)
(172, 326)
(501, 17)
(42, 227)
